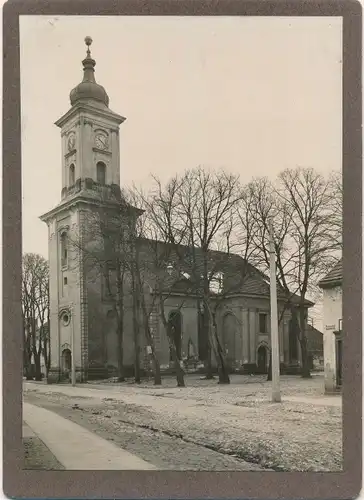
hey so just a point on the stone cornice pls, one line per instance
(102, 151)
(80, 199)
(100, 112)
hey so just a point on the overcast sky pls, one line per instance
(252, 95)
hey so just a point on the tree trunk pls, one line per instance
(34, 349)
(136, 347)
(43, 346)
(206, 334)
(216, 346)
(45, 354)
(28, 367)
(38, 371)
(157, 368)
(150, 340)
(156, 365)
(120, 334)
(223, 373)
(48, 362)
(303, 341)
(136, 326)
(207, 316)
(180, 374)
(120, 326)
(208, 361)
(26, 356)
(28, 361)
(269, 376)
(294, 337)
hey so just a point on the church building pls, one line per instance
(82, 320)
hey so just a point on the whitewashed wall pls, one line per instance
(332, 312)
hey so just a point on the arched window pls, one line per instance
(64, 249)
(72, 175)
(101, 173)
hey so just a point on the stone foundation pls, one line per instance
(54, 376)
(97, 373)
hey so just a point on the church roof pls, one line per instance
(239, 276)
(334, 277)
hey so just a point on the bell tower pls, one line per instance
(90, 175)
(90, 136)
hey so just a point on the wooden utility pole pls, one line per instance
(276, 393)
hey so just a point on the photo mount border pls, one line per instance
(18, 482)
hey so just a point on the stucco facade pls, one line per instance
(332, 313)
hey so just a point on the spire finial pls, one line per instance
(88, 42)
(88, 63)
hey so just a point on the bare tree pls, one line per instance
(35, 307)
(308, 195)
(137, 268)
(208, 202)
(42, 313)
(27, 346)
(336, 206)
(194, 213)
(301, 206)
(159, 244)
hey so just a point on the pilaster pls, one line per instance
(244, 321)
(252, 334)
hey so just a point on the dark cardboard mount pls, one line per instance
(21, 483)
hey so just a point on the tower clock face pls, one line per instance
(71, 142)
(101, 141)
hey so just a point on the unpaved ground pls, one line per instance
(178, 428)
(245, 384)
(38, 456)
(159, 448)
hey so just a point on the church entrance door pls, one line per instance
(262, 359)
(66, 362)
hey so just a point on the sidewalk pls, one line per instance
(320, 401)
(126, 394)
(75, 447)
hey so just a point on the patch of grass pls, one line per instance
(38, 457)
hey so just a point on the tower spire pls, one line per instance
(88, 89)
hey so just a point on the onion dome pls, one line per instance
(88, 89)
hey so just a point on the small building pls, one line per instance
(331, 285)
(315, 346)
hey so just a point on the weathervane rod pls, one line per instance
(88, 42)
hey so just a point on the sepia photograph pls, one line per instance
(182, 215)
